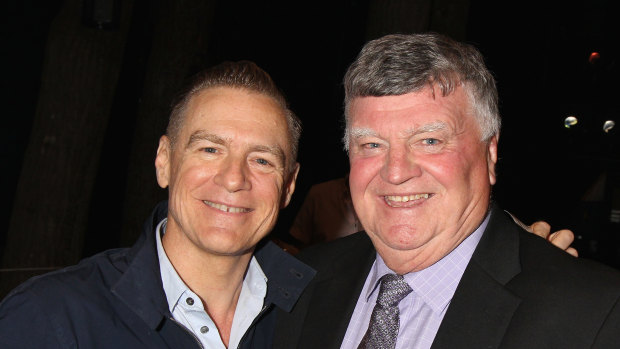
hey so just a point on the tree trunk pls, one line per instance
(80, 72)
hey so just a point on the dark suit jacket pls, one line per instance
(518, 291)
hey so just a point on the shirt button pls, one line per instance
(189, 301)
(204, 329)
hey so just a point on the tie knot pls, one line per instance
(393, 288)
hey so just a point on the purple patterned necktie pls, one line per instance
(384, 321)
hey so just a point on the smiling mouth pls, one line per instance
(225, 208)
(405, 200)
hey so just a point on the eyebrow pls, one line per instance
(201, 135)
(357, 133)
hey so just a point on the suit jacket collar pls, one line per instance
(482, 307)
(327, 321)
(287, 277)
(479, 312)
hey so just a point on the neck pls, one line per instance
(413, 260)
(216, 279)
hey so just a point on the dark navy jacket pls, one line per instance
(116, 300)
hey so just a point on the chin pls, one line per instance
(227, 249)
(402, 238)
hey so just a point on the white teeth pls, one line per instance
(225, 208)
(406, 198)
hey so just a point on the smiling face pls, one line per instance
(227, 172)
(420, 175)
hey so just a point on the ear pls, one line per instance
(289, 187)
(492, 158)
(162, 162)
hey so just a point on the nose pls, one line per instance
(400, 166)
(232, 175)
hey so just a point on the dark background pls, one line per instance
(87, 86)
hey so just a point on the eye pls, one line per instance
(263, 162)
(370, 145)
(431, 141)
(209, 150)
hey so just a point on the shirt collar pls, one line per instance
(436, 284)
(174, 287)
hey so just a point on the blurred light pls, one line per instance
(614, 217)
(609, 124)
(594, 56)
(570, 121)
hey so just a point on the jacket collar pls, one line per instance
(482, 306)
(335, 290)
(140, 286)
(287, 277)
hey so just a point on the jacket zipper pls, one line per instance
(260, 314)
(188, 331)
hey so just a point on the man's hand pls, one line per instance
(561, 238)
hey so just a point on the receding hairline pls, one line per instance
(191, 98)
(243, 75)
(201, 134)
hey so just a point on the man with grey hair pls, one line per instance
(199, 276)
(439, 264)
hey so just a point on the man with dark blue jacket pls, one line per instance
(199, 275)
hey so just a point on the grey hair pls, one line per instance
(398, 64)
(243, 75)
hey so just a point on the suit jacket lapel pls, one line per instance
(328, 317)
(482, 307)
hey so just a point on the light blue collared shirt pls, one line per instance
(422, 310)
(187, 308)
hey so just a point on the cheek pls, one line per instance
(363, 173)
(448, 169)
(443, 171)
(268, 189)
(363, 170)
(191, 177)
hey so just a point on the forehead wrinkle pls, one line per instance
(426, 128)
